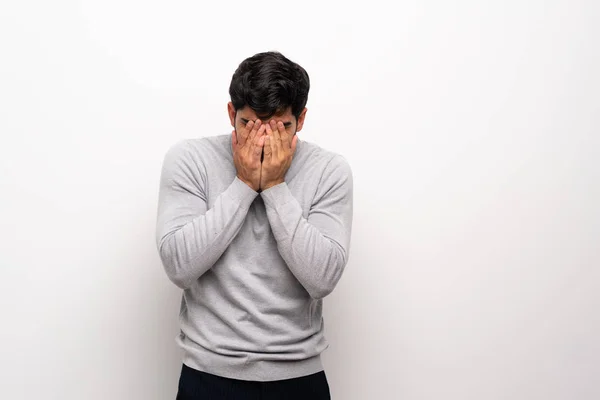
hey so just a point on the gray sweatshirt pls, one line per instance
(254, 267)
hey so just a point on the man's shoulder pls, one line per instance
(324, 156)
(203, 143)
(199, 147)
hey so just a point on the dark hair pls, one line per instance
(269, 83)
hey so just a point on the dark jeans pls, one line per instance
(199, 385)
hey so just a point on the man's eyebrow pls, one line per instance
(286, 124)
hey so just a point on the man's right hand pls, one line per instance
(247, 152)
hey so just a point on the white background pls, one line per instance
(472, 129)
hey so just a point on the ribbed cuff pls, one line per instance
(241, 192)
(277, 195)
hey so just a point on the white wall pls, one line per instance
(471, 127)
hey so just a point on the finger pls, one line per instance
(257, 125)
(272, 143)
(275, 138)
(275, 130)
(268, 151)
(258, 147)
(269, 129)
(285, 139)
(261, 132)
(258, 142)
(252, 134)
(245, 132)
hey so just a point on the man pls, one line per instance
(255, 228)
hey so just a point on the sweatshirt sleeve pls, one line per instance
(315, 248)
(190, 237)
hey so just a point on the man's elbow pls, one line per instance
(323, 288)
(176, 272)
(178, 279)
(327, 283)
(320, 292)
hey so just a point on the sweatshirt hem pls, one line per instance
(242, 368)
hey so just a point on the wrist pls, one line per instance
(246, 182)
(271, 184)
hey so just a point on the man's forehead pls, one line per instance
(248, 114)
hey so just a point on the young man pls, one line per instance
(255, 228)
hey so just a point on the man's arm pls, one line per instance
(315, 248)
(191, 238)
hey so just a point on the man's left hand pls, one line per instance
(279, 150)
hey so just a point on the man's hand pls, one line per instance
(279, 147)
(247, 152)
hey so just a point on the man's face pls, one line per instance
(240, 118)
